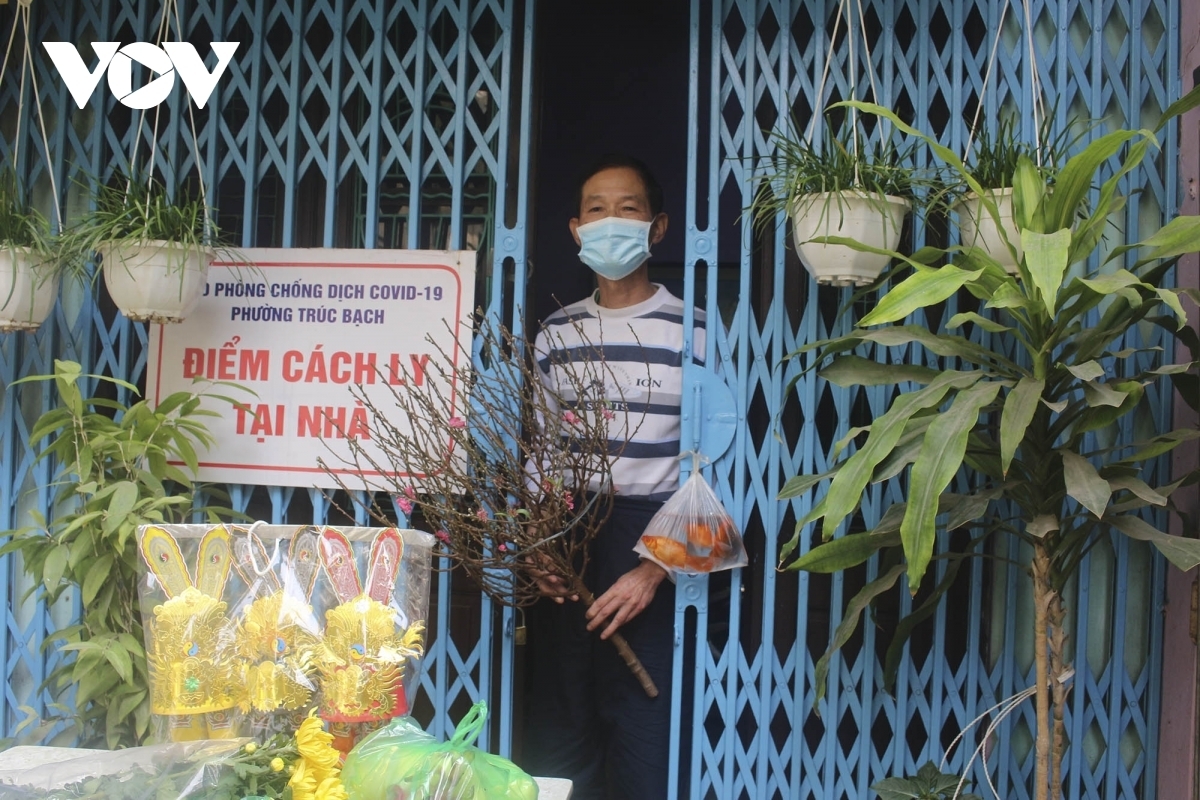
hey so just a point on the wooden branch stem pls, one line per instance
(618, 641)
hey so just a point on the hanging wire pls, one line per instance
(22, 17)
(987, 78)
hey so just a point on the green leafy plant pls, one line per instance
(929, 783)
(836, 162)
(135, 211)
(20, 224)
(1033, 418)
(114, 474)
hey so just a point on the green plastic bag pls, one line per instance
(402, 762)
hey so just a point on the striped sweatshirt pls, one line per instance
(641, 347)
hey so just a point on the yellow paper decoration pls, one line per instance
(363, 659)
(189, 673)
(275, 649)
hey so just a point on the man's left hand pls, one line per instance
(627, 598)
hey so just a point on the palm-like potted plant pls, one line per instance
(28, 272)
(1034, 419)
(155, 247)
(837, 188)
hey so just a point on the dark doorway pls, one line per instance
(611, 78)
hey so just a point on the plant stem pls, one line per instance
(1042, 595)
(618, 641)
(1056, 615)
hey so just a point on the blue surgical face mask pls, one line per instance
(614, 247)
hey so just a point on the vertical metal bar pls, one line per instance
(291, 172)
(333, 133)
(417, 160)
(255, 124)
(374, 125)
(688, 295)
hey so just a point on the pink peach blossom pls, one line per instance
(405, 505)
(457, 422)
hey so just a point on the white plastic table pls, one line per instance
(17, 759)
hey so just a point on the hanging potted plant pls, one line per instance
(994, 163)
(155, 247)
(836, 190)
(28, 270)
(1039, 419)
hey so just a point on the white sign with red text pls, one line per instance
(300, 328)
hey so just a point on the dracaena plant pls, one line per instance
(1032, 418)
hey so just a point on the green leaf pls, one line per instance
(920, 290)
(854, 370)
(904, 628)
(1101, 416)
(849, 623)
(1019, 407)
(1160, 445)
(938, 344)
(1138, 488)
(1084, 483)
(1087, 371)
(1076, 178)
(794, 487)
(97, 574)
(54, 566)
(846, 490)
(1102, 394)
(1029, 191)
(1179, 107)
(1178, 237)
(1046, 258)
(1183, 553)
(123, 499)
(845, 552)
(991, 326)
(940, 459)
(119, 658)
(1041, 525)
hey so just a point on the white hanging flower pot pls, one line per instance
(28, 289)
(977, 227)
(872, 219)
(155, 281)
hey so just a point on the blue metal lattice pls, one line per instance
(753, 62)
(302, 113)
(340, 119)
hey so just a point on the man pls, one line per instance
(589, 719)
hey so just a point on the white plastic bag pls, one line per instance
(693, 532)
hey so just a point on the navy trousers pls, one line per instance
(588, 719)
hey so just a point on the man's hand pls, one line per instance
(627, 598)
(549, 583)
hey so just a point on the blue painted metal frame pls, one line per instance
(244, 145)
(742, 60)
(753, 730)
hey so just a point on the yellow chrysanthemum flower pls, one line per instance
(331, 789)
(251, 747)
(277, 764)
(315, 746)
(303, 783)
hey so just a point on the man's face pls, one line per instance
(617, 192)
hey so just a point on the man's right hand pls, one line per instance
(549, 583)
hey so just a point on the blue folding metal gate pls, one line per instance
(379, 123)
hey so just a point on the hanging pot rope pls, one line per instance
(170, 9)
(852, 73)
(22, 17)
(1035, 83)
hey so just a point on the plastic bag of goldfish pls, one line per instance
(693, 532)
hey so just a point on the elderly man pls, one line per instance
(589, 719)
